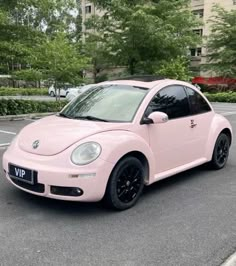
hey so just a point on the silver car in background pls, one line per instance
(74, 92)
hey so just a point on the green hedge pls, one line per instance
(22, 91)
(18, 107)
(229, 97)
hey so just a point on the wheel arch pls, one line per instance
(228, 133)
(142, 158)
(219, 125)
(118, 144)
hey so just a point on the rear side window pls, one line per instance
(171, 100)
(197, 102)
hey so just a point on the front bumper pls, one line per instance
(59, 171)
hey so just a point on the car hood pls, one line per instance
(56, 134)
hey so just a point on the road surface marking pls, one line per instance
(7, 132)
(231, 261)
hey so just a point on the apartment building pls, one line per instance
(88, 9)
(201, 8)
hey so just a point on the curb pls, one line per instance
(24, 116)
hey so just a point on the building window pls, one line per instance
(88, 9)
(198, 32)
(196, 52)
(199, 12)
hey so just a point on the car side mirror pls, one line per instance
(158, 117)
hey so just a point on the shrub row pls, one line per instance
(229, 97)
(22, 91)
(18, 107)
(218, 88)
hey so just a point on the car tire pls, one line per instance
(52, 94)
(125, 184)
(221, 152)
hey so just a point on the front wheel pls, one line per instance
(125, 184)
(221, 152)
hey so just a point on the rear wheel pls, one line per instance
(221, 152)
(52, 94)
(125, 184)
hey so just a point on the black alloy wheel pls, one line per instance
(125, 184)
(221, 151)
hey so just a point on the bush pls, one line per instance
(229, 97)
(177, 68)
(28, 75)
(218, 88)
(17, 107)
(22, 92)
(101, 78)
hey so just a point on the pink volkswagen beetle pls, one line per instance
(111, 141)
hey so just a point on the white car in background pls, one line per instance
(74, 92)
(63, 91)
(197, 86)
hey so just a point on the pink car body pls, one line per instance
(167, 148)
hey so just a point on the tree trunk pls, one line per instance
(56, 91)
(131, 66)
(94, 74)
(59, 94)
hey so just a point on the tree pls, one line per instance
(60, 61)
(221, 45)
(175, 69)
(141, 34)
(47, 16)
(95, 49)
(29, 75)
(27, 23)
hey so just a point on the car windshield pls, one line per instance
(107, 103)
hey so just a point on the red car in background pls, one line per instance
(216, 83)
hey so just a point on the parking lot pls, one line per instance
(188, 219)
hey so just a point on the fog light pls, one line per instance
(76, 191)
(67, 191)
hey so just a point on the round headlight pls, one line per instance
(86, 153)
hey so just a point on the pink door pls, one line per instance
(176, 142)
(201, 121)
(171, 144)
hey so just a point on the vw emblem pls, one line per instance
(35, 144)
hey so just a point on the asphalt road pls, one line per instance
(188, 219)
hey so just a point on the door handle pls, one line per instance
(193, 124)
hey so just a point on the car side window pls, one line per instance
(198, 104)
(171, 100)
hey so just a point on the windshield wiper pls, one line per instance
(92, 118)
(64, 115)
